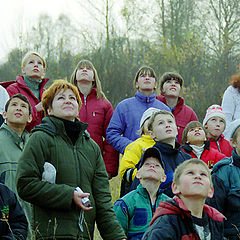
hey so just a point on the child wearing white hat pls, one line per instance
(214, 124)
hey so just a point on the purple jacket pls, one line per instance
(124, 124)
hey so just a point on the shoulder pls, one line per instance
(231, 90)
(222, 165)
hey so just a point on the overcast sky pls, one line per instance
(19, 15)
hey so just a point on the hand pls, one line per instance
(39, 107)
(77, 198)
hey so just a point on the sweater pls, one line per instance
(125, 122)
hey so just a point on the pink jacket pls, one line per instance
(97, 113)
(19, 86)
(182, 113)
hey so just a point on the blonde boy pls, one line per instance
(186, 216)
(134, 211)
(163, 129)
(214, 123)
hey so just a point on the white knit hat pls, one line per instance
(214, 111)
(147, 114)
(233, 126)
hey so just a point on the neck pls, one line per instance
(194, 205)
(85, 88)
(213, 137)
(16, 128)
(171, 101)
(146, 92)
(199, 144)
(151, 187)
(170, 142)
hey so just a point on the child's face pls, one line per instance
(146, 82)
(152, 169)
(164, 128)
(193, 182)
(34, 67)
(215, 126)
(171, 88)
(196, 136)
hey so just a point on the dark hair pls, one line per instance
(168, 76)
(20, 96)
(192, 124)
(235, 81)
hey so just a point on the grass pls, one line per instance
(115, 191)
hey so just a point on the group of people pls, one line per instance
(171, 164)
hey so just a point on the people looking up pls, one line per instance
(225, 175)
(195, 143)
(59, 167)
(171, 86)
(214, 123)
(186, 216)
(231, 102)
(134, 151)
(31, 84)
(135, 210)
(96, 111)
(163, 130)
(123, 126)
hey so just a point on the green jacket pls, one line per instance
(55, 214)
(11, 147)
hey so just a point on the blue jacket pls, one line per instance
(11, 216)
(226, 199)
(134, 212)
(124, 124)
(171, 158)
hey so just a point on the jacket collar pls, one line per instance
(179, 105)
(236, 158)
(189, 149)
(145, 99)
(166, 148)
(20, 81)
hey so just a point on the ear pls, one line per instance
(29, 118)
(151, 134)
(4, 114)
(211, 192)
(23, 70)
(49, 111)
(175, 189)
(138, 174)
(163, 178)
(136, 85)
(232, 143)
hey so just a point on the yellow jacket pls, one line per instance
(133, 153)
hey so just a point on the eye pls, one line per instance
(31, 61)
(221, 121)
(191, 130)
(213, 119)
(176, 82)
(14, 104)
(170, 121)
(23, 106)
(203, 174)
(189, 172)
(39, 62)
(146, 164)
(60, 97)
(72, 98)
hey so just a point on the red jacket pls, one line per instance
(182, 113)
(97, 113)
(222, 145)
(19, 86)
(210, 155)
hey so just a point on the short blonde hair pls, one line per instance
(180, 168)
(29, 54)
(54, 89)
(97, 83)
(152, 118)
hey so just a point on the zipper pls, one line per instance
(85, 104)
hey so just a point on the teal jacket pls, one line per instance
(134, 211)
(54, 213)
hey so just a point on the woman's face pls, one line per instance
(34, 67)
(64, 105)
(85, 74)
(146, 83)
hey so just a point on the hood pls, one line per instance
(176, 206)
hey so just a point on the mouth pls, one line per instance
(197, 134)
(151, 170)
(198, 183)
(18, 115)
(173, 89)
(168, 131)
(36, 70)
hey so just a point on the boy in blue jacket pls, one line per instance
(135, 210)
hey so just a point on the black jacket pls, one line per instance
(12, 216)
(172, 220)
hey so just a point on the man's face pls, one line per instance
(17, 113)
